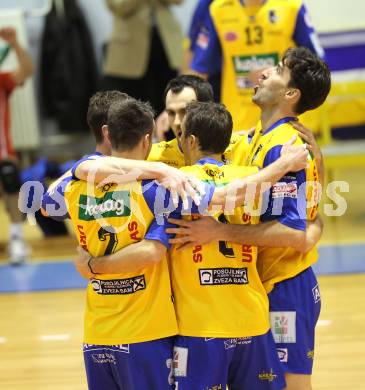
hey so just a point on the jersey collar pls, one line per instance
(209, 160)
(279, 122)
(243, 3)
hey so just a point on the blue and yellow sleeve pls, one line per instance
(92, 156)
(305, 34)
(54, 201)
(200, 14)
(286, 200)
(160, 203)
(207, 49)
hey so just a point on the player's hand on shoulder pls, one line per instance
(81, 263)
(307, 136)
(181, 185)
(191, 233)
(295, 155)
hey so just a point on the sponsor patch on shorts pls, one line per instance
(221, 276)
(121, 348)
(282, 354)
(283, 326)
(104, 358)
(119, 286)
(232, 343)
(316, 293)
(180, 361)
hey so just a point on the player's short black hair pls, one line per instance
(310, 75)
(202, 88)
(211, 123)
(97, 112)
(128, 121)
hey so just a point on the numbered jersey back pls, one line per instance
(216, 286)
(127, 307)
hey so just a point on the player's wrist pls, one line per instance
(221, 232)
(91, 265)
(284, 163)
(160, 170)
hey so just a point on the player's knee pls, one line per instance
(298, 382)
(9, 177)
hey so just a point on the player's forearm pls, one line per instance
(118, 169)
(129, 259)
(269, 234)
(187, 57)
(234, 194)
(26, 67)
(313, 234)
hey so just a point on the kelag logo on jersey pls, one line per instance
(247, 64)
(112, 204)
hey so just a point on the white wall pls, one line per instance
(337, 15)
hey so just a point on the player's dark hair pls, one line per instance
(310, 75)
(203, 90)
(211, 123)
(128, 121)
(97, 112)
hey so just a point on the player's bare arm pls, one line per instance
(269, 234)
(120, 170)
(307, 136)
(25, 64)
(292, 159)
(129, 259)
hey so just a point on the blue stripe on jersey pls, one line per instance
(160, 203)
(54, 203)
(200, 14)
(280, 122)
(209, 160)
(290, 211)
(91, 156)
(207, 57)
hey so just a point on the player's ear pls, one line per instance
(147, 140)
(105, 132)
(292, 95)
(193, 142)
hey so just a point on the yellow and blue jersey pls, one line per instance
(167, 152)
(285, 202)
(129, 307)
(216, 287)
(170, 153)
(238, 40)
(237, 150)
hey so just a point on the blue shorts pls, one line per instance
(295, 305)
(130, 366)
(213, 363)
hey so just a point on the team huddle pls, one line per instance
(198, 250)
